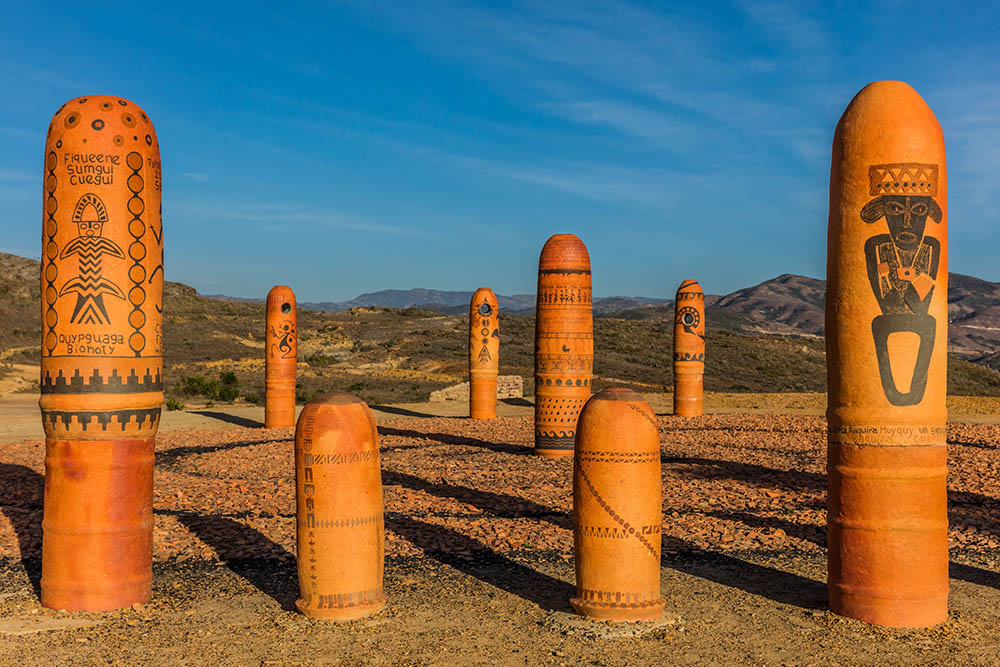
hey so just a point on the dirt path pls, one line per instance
(20, 419)
(479, 555)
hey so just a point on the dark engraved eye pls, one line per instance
(485, 310)
(688, 316)
(895, 208)
(919, 208)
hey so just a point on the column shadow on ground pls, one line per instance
(231, 540)
(768, 582)
(803, 531)
(230, 419)
(974, 575)
(762, 580)
(448, 439)
(751, 473)
(496, 504)
(403, 412)
(169, 456)
(817, 535)
(547, 592)
(22, 491)
(518, 402)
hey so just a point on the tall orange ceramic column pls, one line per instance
(616, 509)
(689, 349)
(102, 353)
(564, 343)
(484, 354)
(340, 525)
(280, 358)
(886, 338)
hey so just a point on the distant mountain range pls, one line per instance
(453, 302)
(788, 305)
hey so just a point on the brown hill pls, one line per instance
(390, 355)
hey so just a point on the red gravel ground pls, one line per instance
(479, 554)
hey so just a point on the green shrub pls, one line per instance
(226, 388)
(174, 404)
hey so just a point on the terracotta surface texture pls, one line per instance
(101, 354)
(280, 358)
(564, 343)
(484, 354)
(886, 338)
(616, 509)
(689, 349)
(340, 529)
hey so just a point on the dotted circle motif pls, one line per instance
(51, 250)
(137, 251)
(688, 316)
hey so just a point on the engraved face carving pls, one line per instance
(902, 268)
(906, 216)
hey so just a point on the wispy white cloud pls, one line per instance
(788, 24)
(195, 176)
(284, 217)
(18, 176)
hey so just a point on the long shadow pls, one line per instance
(519, 402)
(969, 573)
(976, 508)
(753, 578)
(547, 592)
(230, 419)
(768, 582)
(497, 504)
(168, 456)
(393, 410)
(974, 575)
(978, 445)
(748, 472)
(232, 541)
(449, 439)
(22, 491)
(807, 532)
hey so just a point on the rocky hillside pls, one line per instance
(391, 355)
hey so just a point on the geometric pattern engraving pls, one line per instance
(51, 251)
(137, 252)
(97, 384)
(903, 178)
(102, 417)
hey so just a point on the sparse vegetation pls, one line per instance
(388, 355)
(226, 388)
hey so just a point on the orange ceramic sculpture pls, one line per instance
(281, 358)
(484, 354)
(886, 339)
(689, 349)
(340, 525)
(102, 353)
(564, 343)
(616, 509)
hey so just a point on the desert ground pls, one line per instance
(479, 549)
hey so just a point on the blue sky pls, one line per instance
(349, 147)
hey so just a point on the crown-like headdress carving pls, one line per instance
(903, 178)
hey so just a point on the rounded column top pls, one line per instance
(564, 251)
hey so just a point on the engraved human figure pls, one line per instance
(286, 336)
(89, 285)
(903, 267)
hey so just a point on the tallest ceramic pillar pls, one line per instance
(886, 337)
(101, 357)
(564, 343)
